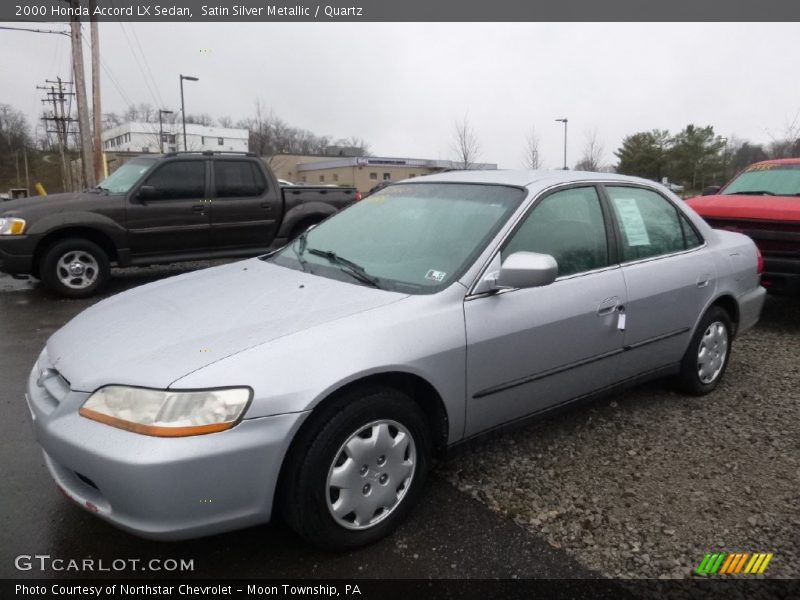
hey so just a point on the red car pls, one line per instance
(763, 202)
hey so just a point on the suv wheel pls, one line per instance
(74, 267)
(357, 469)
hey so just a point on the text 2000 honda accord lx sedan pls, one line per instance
(317, 382)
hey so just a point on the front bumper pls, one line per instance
(781, 274)
(16, 255)
(161, 488)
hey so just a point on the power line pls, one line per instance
(29, 30)
(139, 64)
(147, 65)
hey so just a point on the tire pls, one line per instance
(74, 267)
(330, 471)
(708, 354)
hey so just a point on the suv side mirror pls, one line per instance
(146, 191)
(710, 190)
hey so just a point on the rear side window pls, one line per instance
(237, 179)
(650, 225)
(177, 180)
(569, 226)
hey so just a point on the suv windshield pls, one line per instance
(121, 180)
(412, 238)
(767, 179)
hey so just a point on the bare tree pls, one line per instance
(531, 157)
(593, 152)
(465, 145)
(788, 144)
(225, 121)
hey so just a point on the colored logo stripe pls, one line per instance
(732, 564)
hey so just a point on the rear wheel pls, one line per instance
(357, 469)
(706, 358)
(74, 267)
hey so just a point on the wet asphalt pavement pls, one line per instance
(450, 535)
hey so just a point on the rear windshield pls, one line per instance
(767, 180)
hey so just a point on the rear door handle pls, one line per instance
(703, 280)
(199, 208)
(266, 205)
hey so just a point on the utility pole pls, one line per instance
(57, 96)
(87, 152)
(97, 111)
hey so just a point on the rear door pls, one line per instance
(670, 277)
(530, 349)
(244, 212)
(173, 219)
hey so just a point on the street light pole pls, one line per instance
(564, 121)
(161, 129)
(183, 108)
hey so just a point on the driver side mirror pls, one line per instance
(710, 190)
(519, 271)
(146, 191)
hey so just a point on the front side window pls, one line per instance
(569, 226)
(237, 179)
(770, 179)
(649, 224)
(414, 238)
(178, 180)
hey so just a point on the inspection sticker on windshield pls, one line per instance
(632, 222)
(435, 275)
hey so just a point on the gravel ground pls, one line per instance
(644, 483)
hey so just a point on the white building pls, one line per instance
(143, 137)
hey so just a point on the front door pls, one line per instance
(173, 219)
(531, 349)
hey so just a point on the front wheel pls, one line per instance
(706, 358)
(74, 267)
(356, 471)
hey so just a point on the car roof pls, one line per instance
(524, 178)
(779, 161)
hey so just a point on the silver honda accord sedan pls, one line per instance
(317, 382)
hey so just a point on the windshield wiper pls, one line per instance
(298, 252)
(752, 193)
(348, 266)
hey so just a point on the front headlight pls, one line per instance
(167, 413)
(11, 226)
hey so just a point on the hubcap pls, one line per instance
(370, 474)
(77, 269)
(712, 352)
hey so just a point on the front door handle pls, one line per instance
(608, 306)
(199, 208)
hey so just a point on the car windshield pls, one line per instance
(413, 238)
(121, 180)
(767, 179)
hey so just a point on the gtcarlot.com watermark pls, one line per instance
(48, 563)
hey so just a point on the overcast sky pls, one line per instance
(402, 86)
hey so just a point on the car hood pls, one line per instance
(41, 205)
(153, 335)
(779, 208)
